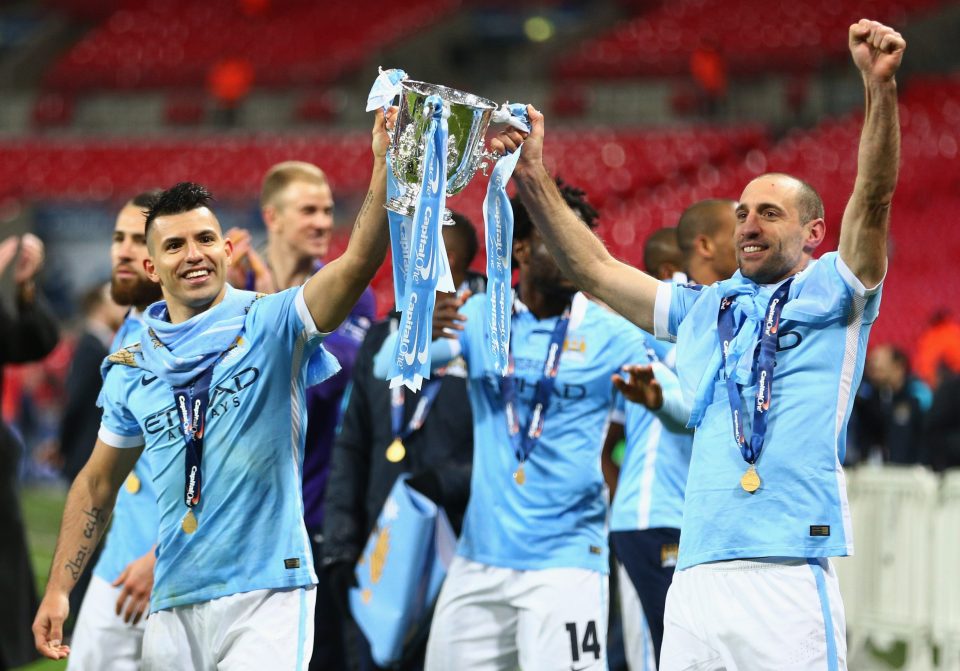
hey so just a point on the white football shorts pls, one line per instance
(490, 618)
(101, 640)
(755, 615)
(263, 629)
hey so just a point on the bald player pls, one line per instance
(765, 505)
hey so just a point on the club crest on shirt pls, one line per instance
(125, 356)
(575, 348)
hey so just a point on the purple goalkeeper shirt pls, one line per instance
(324, 407)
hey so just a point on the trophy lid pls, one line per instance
(448, 94)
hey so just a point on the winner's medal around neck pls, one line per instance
(132, 483)
(727, 327)
(189, 523)
(519, 475)
(396, 452)
(750, 482)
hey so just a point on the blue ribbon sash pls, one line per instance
(523, 446)
(766, 361)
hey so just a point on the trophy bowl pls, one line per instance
(468, 121)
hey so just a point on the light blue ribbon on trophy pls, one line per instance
(498, 227)
(386, 87)
(400, 231)
(411, 357)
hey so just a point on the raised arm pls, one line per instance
(579, 253)
(877, 51)
(333, 291)
(85, 517)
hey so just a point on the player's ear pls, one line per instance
(228, 250)
(151, 270)
(816, 232)
(703, 246)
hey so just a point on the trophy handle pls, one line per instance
(487, 159)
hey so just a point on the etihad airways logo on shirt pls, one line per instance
(224, 396)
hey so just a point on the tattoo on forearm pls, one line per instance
(363, 209)
(94, 520)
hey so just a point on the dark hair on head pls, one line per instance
(701, 218)
(466, 235)
(573, 196)
(92, 299)
(178, 199)
(146, 199)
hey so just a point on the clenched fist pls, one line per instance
(877, 50)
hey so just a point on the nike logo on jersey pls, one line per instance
(145, 380)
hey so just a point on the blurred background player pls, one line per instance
(28, 332)
(434, 426)
(108, 633)
(297, 207)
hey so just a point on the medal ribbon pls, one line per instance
(427, 397)
(498, 231)
(766, 361)
(522, 447)
(191, 403)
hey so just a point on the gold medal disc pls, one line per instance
(519, 476)
(750, 480)
(189, 523)
(133, 483)
(396, 452)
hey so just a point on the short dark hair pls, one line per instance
(466, 235)
(179, 198)
(573, 196)
(699, 219)
(92, 299)
(661, 247)
(146, 199)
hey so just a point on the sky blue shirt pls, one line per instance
(654, 470)
(251, 533)
(133, 526)
(801, 508)
(557, 518)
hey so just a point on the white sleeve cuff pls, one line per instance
(116, 440)
(854, 282)
(661, 313)
(304, 313)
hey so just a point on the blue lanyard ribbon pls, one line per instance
(191, 403)
(766, 361)
(427, 397)
(411, 357)
(522, 447)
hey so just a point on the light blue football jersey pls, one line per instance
(133, 526)
(557, 518)
(655, 464)
(801, 507)
(251, 533)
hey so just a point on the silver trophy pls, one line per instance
(469, 118)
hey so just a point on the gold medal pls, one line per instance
(750, 480)
(189, 523)
(133, 483)
(519, 476)
(396, 452)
